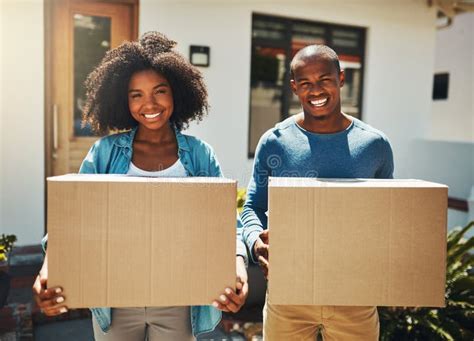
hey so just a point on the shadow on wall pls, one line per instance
(450, 163)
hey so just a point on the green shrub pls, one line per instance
(456, 320)
(6, 245)
(241, 196)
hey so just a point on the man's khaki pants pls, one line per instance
(301, 322)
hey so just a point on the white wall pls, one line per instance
(451, 163)
(398, 75)
(447, 155)
(453, 119)
(22, 120)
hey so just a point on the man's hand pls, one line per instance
(230, 300)
(261, 250)
(50, 300)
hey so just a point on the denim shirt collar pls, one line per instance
(125, 142)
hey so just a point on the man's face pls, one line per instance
(317, 84)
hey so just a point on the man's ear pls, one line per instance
(342, 78)
(293, 85)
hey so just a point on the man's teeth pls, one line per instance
(152, 115)
(319, 103)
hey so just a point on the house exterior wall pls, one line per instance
(400, 60)
(399, 66)
(451, 163)
(22, 120)
(450, 143)
(453, 119)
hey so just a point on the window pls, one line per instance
(440, 86)
(275, 41)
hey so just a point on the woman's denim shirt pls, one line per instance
(112, 155)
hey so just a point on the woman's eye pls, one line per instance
(160, 91)
(134, 96)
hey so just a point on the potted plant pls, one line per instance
(6, 245)
(456, 320)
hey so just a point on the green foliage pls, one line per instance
(6, 245)
(241, 196)
(456, 320)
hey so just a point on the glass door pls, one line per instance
(79, 35)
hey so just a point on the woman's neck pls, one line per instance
(162, 135)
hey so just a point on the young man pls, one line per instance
(319, 142)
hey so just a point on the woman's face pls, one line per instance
(150, 99)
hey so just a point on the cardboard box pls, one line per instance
(118, 241)
(359, 242)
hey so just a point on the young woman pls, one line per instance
(152, 92)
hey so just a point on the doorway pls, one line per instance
(78, 33)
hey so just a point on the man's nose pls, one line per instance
(315, 88)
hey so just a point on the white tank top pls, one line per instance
(176, 170)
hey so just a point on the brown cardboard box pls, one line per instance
(357, 242)
(118, 241)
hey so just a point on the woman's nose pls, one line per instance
(150, 102)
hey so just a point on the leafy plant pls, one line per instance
(6, 245)
(241, 195)
(456, 320)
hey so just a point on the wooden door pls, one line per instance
(78, 34)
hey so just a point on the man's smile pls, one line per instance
(319, 102)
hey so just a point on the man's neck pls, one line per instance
(328, 125)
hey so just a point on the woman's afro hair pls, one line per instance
(106, 106)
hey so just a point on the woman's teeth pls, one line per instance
(319, 103)
(152, 115)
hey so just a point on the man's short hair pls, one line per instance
(312, 51)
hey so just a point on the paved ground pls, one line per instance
(21, 320)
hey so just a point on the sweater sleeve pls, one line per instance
(387, 167)
(253, 215)
(215, 170)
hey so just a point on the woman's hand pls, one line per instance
(50, 300)
(230, 300)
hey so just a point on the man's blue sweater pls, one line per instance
(288, 150)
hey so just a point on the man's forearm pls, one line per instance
(254, 221)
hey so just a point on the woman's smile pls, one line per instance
(152, 116)
(150, 99)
